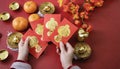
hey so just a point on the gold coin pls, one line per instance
(64, 30)
(14, 6)
(57, 38)
(47, 8)
(38, 48)
(51, 24)
(82, 50)
(4, 16)
(13, 39)
(3, 54)
(33, 41)
(39, 29)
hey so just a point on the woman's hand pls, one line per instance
(23, 50)
(66, 54)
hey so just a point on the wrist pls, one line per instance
(22, 58)
(73, 67)
(66, 66)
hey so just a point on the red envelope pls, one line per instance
(36, 46)
(63, 32)
(38, 26)
(51, 21)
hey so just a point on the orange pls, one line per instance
(30, 6)
(20, 23)
(33, 17)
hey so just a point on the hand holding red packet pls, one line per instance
(51, 21)
(36, 45)
(63, 32)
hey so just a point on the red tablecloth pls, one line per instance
(104, 39)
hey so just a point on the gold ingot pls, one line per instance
(82, 34)
(13, 39)
(39, 29)
(57, 38)
(14, 6)
(64, 30)
(33, 41)
(82, 51)
(3, 54)
(4, 16)
(47, 8)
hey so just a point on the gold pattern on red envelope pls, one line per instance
(38, 26)
(51, 25)
(51, 22)
(33, 41)
(63, 32)
(58, 38)
(39, 29)
(36, 45)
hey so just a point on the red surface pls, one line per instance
(104, 39)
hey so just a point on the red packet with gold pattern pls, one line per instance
(37, 26)
(51, 22)
(63, 32)
(36, 46)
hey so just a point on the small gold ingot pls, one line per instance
(82, 34)
(14, 6)
(47, 8)
(3, 54)
(4, 16)
(13, 39)
(82, 51)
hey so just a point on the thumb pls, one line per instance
(69, 47)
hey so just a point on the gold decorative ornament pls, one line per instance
(39, 29)
(14, 6)
(82, 34)
(82, 51)
(3, 54)
(4, 16)
(57, 38)
(47, 8)
(13, 39)
(33, 41)
(64, 30)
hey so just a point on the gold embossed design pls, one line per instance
(38, 48)
(51, 24)
(58, 38)
(39, 29)
(64, 30)
(33, 41)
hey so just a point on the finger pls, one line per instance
(58, 51)
(21, 43)
(69, 47)
(26, 41)
(62, 47)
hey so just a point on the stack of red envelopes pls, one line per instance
(49, 28)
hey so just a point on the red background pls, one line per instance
(104, 39)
